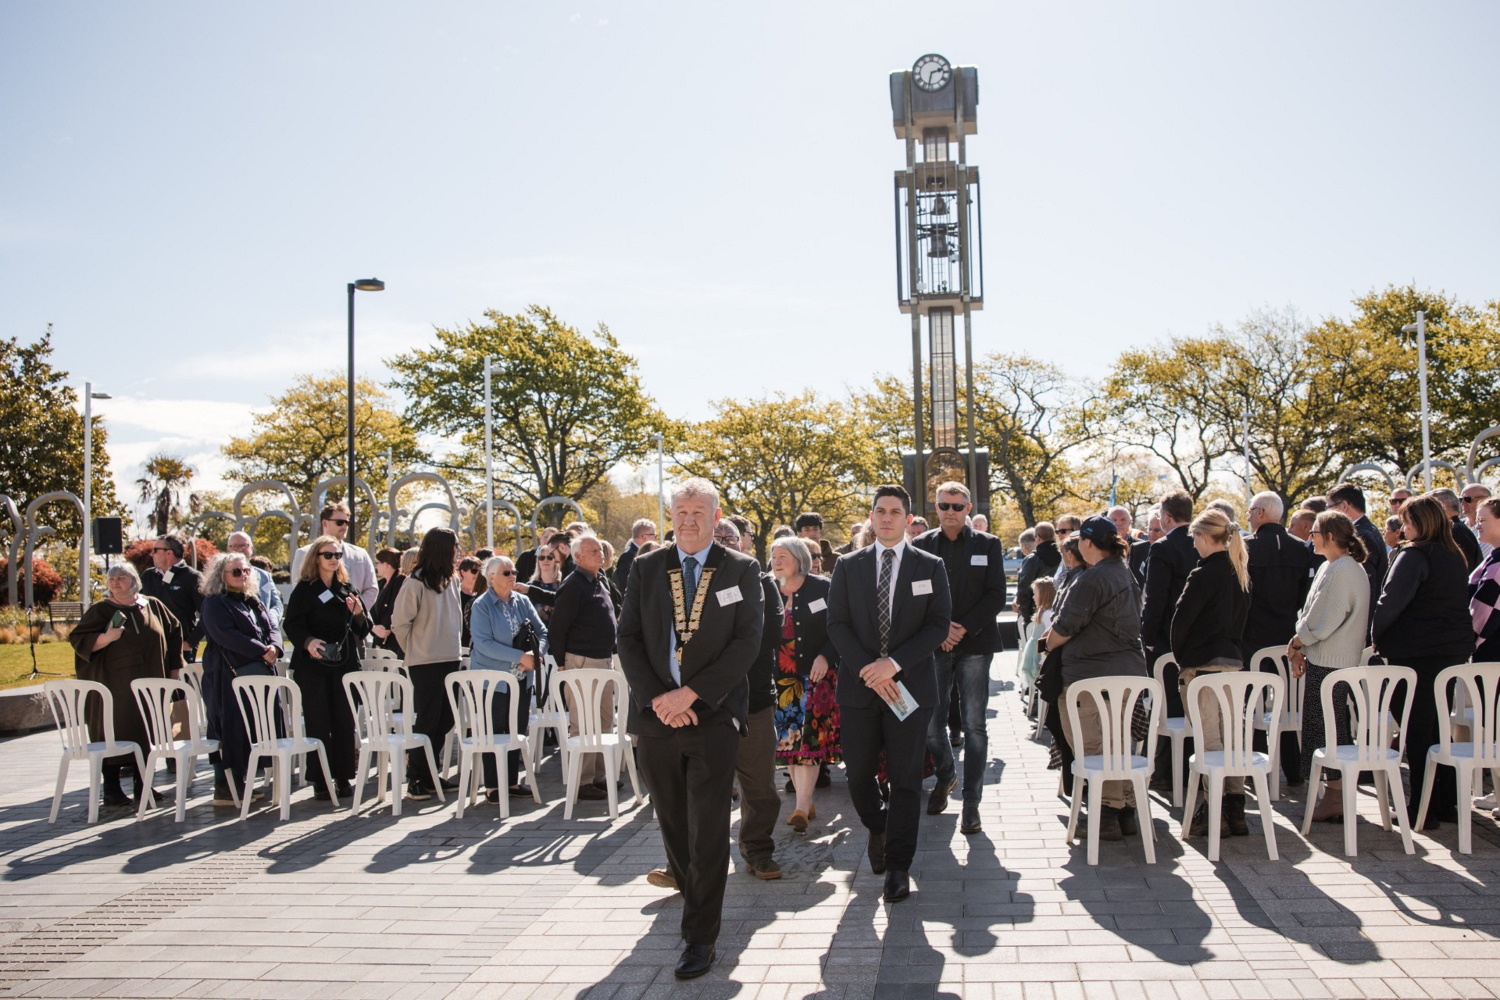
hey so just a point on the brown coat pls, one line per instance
(150, 647)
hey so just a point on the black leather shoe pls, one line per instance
(320, 792)
(969, 822)
(938, 800)
(114, 795)
(343, 789)
(823, 779)
(695, 961)
(897, 886)
(876, 851)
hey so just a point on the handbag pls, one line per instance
(1049, 677)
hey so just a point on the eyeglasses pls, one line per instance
(1473, 499)
(1311, 533)
(328, 554)
(546, 559)
(507, 572)
(238, 571)
(952, 506)
(340, 521)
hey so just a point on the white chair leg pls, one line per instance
(1096, 803)
(575, 767)
(530, 765)
(1465, 812)
(1216, 807)
(502, 780)
(284, 785)
(62, 784)
(249, 786)
(464, 794)
(96, 778)
(140, 812)
(1267, 820)
(1351, 812)
(612, 783)
(1143, 818)
(1381, 784)
(1177, 771)
(184, 775)
(635, 785)
(361, 771)
(432, 766)
(1402, 823)
(1428, 773)
(382, 775)
(1074, 808)
(1190, 803)
(1314, 788)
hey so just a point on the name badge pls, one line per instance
(730, 596)
(979, 560)
(326, 596)
(818, 605)
(921, 586)
(167, 576)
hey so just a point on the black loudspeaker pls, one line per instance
(109, 537)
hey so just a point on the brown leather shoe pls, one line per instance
(662, 879)
(763, 868)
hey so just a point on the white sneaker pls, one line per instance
(1487, 802)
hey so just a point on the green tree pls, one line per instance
(302, 439)
(568, 406)
(774, 457)
(163, 485)
(43, 433)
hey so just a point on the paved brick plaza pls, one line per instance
(330, 906)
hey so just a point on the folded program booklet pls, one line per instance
(904, 704)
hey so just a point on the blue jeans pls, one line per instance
(973, 673)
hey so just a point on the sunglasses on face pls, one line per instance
(340, 521)
(507, 572)
(330, 555)
(952, 506)
(161, 548)
(237, 572)
(546, 559)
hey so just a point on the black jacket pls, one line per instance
(715, 662)
(1280, 577)
(583, 618)
(309, 616)
(183, 597)
(762, 676)
(919, 622)
(1210, 615)
(1043, 561)
(1467, 543)
(1375, 563)
(810, 625)
(622, 564)
(976, 583)
(1140, 551)
(380, 614)
(1424, 606)
(1172, 559)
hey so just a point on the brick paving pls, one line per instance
(332, 906)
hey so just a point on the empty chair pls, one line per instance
(586, 688)
(1480, 684)
(1284, 715)
(384, 733)
(1115, 698)
(68, 701)
(258, 699)
(1238, 693)
(472, 693)
(1371, 691)
(155, 699)
(1175, 728)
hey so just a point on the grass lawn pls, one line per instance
(53, 659)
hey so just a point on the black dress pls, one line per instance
(316, 611)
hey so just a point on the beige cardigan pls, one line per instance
(1335, 621)
(428, 624)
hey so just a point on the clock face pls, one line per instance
(931, 73)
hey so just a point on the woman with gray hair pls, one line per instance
(509, 635)
(807, 710)
(119, 639)
(244, 640)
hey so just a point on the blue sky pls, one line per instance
(185, 189)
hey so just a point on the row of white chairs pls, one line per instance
(1247, 700)
(377, 698)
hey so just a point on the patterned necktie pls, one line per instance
(690, 582)
(883, 599)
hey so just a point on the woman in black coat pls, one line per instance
(325, 621)
(243, 641)
(388, 569)
(1422, 621)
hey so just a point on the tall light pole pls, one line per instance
(489, 472)
(661, 514)
(86, 542)
(362, 285)
(1420, 329)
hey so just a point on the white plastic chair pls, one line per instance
(1115, 698)
(67, 700)
(1175, 728)
(1283, 714)
(258, 699)
(554, 716)
(1371, 691)
(585, 687)
(1480, 684)
(376, 653)
(472, 695)
(155, 699)
(1239, 693)
(384, 733)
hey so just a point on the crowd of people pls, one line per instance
(875, 655)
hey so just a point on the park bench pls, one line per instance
(64, 612)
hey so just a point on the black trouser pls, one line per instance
(690, 773)
(514, 767)
(326, 716)
(434, 714)
(1422, 735)
(864, 733)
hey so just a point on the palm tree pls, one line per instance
(162, 486)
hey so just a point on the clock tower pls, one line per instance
(939, 270)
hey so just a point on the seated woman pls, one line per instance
(507, 634)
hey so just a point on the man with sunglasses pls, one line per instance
(1473, 496)
(334, 520)
(177, 585)
(975, 563)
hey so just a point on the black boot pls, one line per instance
(114, 795)
(1234, 816)
(1128, 825)
(1109, 824)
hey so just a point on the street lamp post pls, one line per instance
(362, 285)
(489, 472)
(1420, 329)
(661, 516)
(86, 542)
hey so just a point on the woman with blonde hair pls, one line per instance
(1206, 629)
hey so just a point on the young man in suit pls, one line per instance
(689, 633)
(975, 564)
(888, 612)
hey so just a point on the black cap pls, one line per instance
(1098, 529)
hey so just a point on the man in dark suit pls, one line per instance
(177, 585)
(975, 564)
(689, 633)
(888, 612)
(1349, 500)
(1468, 542)
(641, 532)
(1172, 558)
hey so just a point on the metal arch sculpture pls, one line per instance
(1385, 474)
(34, 531)
(411, 525)
(1436, 463)
(536, 512)
(17, 531)
(259, 486)
(1470, 471)
(422, 477)
(478, 512)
